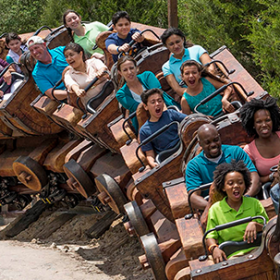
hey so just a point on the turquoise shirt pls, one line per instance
(200, 170)
(149, 81)
(172, 66)
(221, 213)
(47, 75)
(213, 107)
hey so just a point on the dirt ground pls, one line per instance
(70, 254)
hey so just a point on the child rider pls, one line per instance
(119, 42)
(159, 117)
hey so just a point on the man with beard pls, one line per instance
(200, 169)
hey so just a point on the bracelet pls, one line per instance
(210, 250)
(118, 49)
(271, 176)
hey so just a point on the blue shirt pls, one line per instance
(114, 39)
(47, 75)
(213, 107)
(200, 170)
(168, 138)
(172, 66)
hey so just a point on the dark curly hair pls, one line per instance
(235, 166)
(248, 110)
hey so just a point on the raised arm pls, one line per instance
(185, 106)
(174, 85)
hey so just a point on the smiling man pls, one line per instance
(49, 67)
(200, 169)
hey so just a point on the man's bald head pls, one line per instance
(210, 141)
(209, 128)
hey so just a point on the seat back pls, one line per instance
(95, 101)
(100, 42)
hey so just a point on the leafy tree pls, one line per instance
(222, 22)
(265, 41)
(20, 16)
(153, 12)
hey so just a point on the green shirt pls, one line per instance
(88, 40)
(221, 213)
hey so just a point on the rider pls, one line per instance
(159, 117)
(119, 42)
(49, 67)
(200, 169)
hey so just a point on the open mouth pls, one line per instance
(236, 194)
(265, 130)
(158, 110)
(191, 82)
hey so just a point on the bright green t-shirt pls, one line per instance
(221, 213)
(88, 40)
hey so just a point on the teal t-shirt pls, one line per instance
(221, 213)
(213, 107)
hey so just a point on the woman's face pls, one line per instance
(175, 44)
(73, 58)
(72, 20)
(191, 76)
(263, 123)
(128, 70)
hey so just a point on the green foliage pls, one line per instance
(20, 16)
(222, 22)
(151, 12)
(265, 40)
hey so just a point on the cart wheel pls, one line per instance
(110, 193)
(136, 218)
(30, 173)
(80, 180)
(154, 256)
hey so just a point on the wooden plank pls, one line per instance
(89, 156)
(54, 225)
(22, 116)
(269, 208)
(177, 262)
(75, 152)
(172, 13)
(56, 158)
(178, 199)
(191, 235)
(234, 269)
(240, 75)
(183, 274)
(39, 154)
(118, 133)
(150, 184)
(164, 229)
(102, 225)
(129, 156)
(95, 126)
(22, 222)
